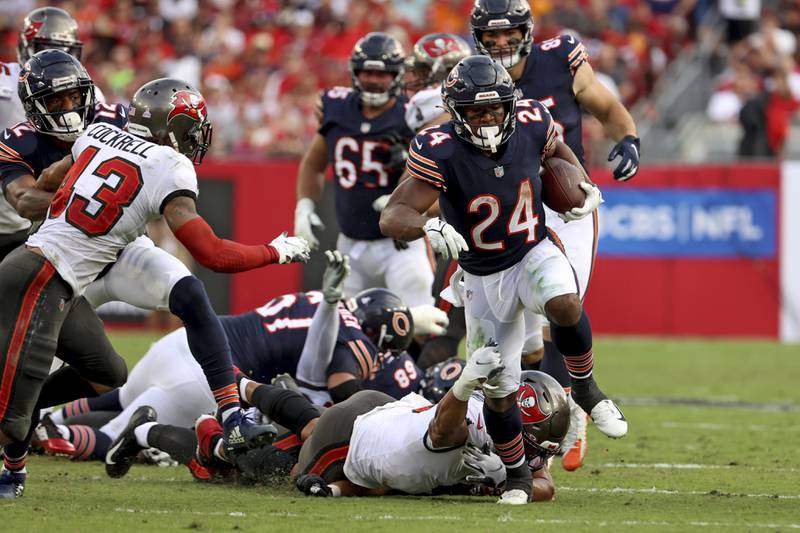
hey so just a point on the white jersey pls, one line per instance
(423, 107)
(119, 183)
(390, 447)
(11, 113)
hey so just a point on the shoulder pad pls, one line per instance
(116, 114)
(569, 48)
(333, 100)
(427, 151)
(19, 140)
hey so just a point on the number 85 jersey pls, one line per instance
(495, 204)
(118, 183)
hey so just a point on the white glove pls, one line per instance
(482, 468)
(482, 366)
(593, 199)
(429, 320)
(305, 220)
(444, 238)
(338, 268)
(380, 203)
(291, 249)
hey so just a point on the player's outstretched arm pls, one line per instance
(310, 182)
(403, 217)
(222, 255)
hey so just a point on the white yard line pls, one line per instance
(654, 490)
(689, 466)
(728, 427)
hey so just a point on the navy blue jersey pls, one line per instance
(397, 376)
(548, 76)
(23, 150)
(495, 204)
(268, 341)
(358, 150)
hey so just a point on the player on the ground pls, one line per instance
(483, 167)
(363, 135)
(558, 74)
(118, 183)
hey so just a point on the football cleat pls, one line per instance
(604, 412)
(285, 381)
(209, 433)
(609, 419)
(513, 497)
(573, 448)
(200, 472)
(12, 484)
(240, 433)
(47, 437)
(125, 447)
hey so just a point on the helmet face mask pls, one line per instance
(48, 75)
(545, 413)
(171, 112)
(384, 318)
(48, 28)
(480, 81)
(377, 51)
(498, 15)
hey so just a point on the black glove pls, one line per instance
(398, 150)
(313, 485)
(628, 148)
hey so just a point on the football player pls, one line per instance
(483, 167)
(557, 73)
(115, 186)
(363, 135)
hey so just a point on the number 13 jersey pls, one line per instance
(118, 183)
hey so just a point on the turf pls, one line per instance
(712, 445)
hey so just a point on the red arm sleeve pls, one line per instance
(222, 255)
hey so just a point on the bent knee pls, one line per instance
(564, 310)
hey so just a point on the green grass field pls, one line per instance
(714, 431)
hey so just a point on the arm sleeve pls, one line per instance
(222, 255)
(320, 342)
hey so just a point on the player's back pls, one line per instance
(118, 183)
(11, 110)
(390, 447)
(548, 77)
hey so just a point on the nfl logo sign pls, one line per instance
(499, 172)
(365, 127)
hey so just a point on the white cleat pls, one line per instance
(609, 419)
(513, 497)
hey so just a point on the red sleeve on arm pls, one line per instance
(222, 255)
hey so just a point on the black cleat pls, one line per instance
(12, 484)
(124, 449)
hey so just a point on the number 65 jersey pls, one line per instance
(495, 204)
(118, 183)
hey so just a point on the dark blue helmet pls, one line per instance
(440, 378)
(377, 51)
(384, 318)
(46, 74)
(501, 15)
(480, 80)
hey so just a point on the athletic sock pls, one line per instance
(108, 401)
(286, 407)
(553, 365)
(15, 464)
(141, 432)
(575, 343)
(209, 346)
(89, 442)
(506, 431)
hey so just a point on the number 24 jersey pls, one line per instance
(118, 183)
(495, 204)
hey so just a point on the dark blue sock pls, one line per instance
(108, 401)
(553, 365)
(189, 302)
(506, 431)
(575, 343)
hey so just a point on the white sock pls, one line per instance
(63, 431)
(141, 433)
(243, 387)
(57, 416)
(227, 413)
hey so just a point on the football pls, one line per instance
(560, 185)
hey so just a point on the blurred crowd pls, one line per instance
(759, 85)
(261, 63)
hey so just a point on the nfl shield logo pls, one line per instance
(365, 127)
(499, 172)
